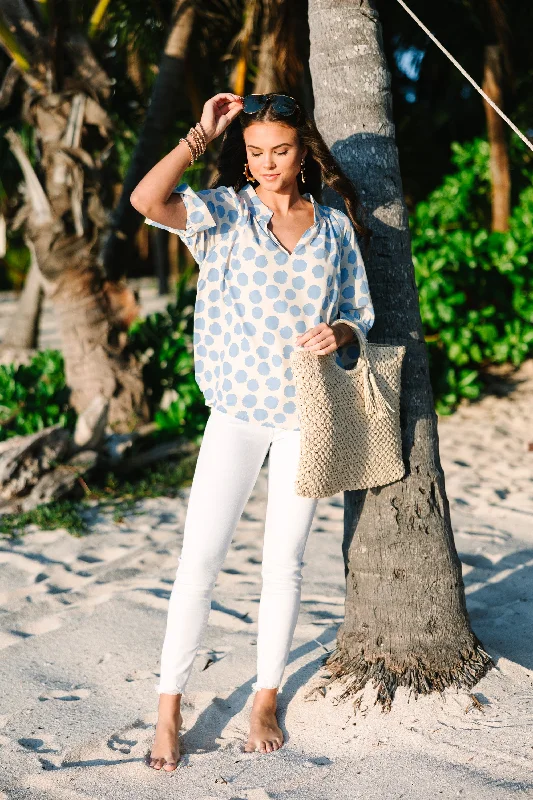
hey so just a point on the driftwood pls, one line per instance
(176, 447)
(52, 464)
(61, 481)
(24, 459)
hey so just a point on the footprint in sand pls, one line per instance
(139, 733)
(140, 675)
(88, 559)
(121, 744)
(76, 694)
(37, 745)
(40, 626)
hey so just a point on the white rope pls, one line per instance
(467, 76)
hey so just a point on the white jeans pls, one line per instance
(231, 455)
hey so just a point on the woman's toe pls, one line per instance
(170, 766)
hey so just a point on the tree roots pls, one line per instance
(356, 671)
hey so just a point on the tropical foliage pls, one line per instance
(34, 396)
(164, 344)
(475, 286)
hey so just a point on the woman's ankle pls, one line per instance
(169, 703)
(265, 697)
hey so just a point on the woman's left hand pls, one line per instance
(324, 339)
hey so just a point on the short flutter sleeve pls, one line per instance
(211, 215)
(355, 303)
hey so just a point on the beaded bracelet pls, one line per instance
(197, 143)
(200, 135)
(194, 144)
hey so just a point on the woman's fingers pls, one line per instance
(323, 341)
(227, 112)
(233, 111)
(219, 111)
(224, 98)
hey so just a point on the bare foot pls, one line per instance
(265, 733)
(165, 752)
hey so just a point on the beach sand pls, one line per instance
(83, 620)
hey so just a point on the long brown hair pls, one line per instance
(320, 165)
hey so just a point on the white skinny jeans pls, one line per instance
(231, 455)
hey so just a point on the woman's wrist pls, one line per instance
(209, 137)
(197, 141)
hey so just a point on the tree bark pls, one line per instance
(160, 116)
(406, 621)
(63, 221)
(499, 156)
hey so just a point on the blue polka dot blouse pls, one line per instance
(254, 298)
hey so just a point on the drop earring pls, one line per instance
(302, 169)
(247, 174)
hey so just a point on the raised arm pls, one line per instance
(153, 196)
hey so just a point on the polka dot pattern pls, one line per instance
(254, 298)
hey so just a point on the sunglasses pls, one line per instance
(281, 103)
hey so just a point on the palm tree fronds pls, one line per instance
(87, 67)
(36, 196)
(43, 8)
(13, 48)
(242, 42)
(97, 17)
(8, 84)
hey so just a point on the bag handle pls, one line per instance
(360, 335)
(375, 403)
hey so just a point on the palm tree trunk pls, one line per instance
(160, 116)
(499, 157)
(94, 342)
(64, 216)
(406, 621)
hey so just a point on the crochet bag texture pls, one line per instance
(350, 436)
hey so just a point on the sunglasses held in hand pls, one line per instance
(281, 103)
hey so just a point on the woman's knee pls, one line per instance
(281, 572)
(198, 572)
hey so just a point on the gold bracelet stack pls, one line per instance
(197, 143)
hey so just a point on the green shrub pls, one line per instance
(475, 286)
(164, 342)
(34, 396)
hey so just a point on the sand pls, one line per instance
(83, 620)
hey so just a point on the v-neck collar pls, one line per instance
(263, 213)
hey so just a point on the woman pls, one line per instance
(275, 268)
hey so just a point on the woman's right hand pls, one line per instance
(218, 112)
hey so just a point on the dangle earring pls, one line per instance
(302, 169)
(248, 176)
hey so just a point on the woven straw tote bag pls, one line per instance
(350, 435)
